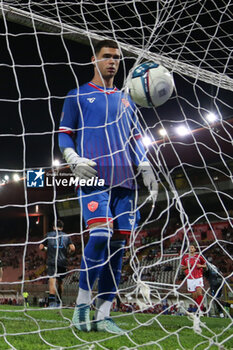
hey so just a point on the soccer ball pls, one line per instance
(150, 84)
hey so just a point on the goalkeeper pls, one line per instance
(100, 137)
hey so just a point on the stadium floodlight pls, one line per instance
(162, 132)
(182, 130)
(211, 117)
(147, 141)
(6, 177)
(16, 177)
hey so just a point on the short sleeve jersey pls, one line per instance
(192, 271)
(104, 126)
(57, 244)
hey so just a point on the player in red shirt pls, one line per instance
(193, 265)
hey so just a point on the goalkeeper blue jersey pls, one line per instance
(101, 125)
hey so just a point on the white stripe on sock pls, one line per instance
(101, 232)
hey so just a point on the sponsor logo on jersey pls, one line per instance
(131, 221)
(91, 99)
(92, 206)
(35, 178)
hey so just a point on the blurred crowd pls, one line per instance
(219, 252)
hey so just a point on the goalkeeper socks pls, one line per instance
(103, 308)
(94, 256)
(111, 272)
(84, 297)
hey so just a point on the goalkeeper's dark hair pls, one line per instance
(105, 43)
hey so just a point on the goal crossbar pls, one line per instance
(69, 32)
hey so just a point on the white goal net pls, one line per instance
(45, 52)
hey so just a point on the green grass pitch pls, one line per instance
(46, 329)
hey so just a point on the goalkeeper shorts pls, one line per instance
(103, 205)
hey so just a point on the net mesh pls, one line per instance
(44, 55)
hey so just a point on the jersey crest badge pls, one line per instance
(92, 206)
(125, 102)
(91, 99)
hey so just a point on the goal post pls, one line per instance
(188, 142)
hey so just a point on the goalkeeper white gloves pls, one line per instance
(84, 169)
(81, 167)
(149, 179)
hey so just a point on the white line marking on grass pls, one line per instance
(28, 319)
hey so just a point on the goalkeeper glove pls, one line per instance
(149, 179)
(81, 167)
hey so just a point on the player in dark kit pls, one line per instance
(100, 137)
(57, 244)
(216, 285)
